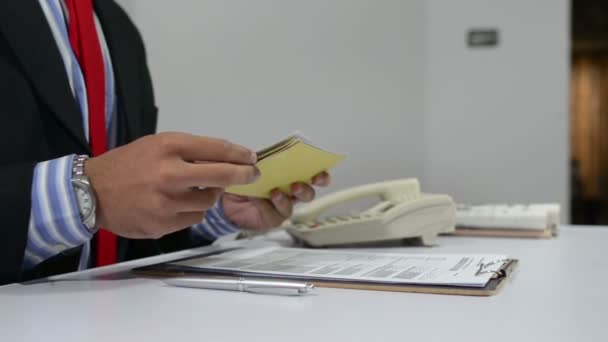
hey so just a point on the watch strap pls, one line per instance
(78, 165)
(80, 179)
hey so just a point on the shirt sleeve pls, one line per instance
(214, 225)
(55, 224)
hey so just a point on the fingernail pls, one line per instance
(278, 196)
(297, 190)
(253, 158)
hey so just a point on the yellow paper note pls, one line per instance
(297, 161)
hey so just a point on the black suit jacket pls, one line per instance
(40, 120)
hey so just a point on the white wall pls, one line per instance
(497, 119)
(348, 73)
(390, 82)
(127, 5)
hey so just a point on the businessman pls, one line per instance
(85, 181)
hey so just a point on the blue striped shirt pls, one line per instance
(55, 223)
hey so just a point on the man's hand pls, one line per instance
(150, 187)
(260, 214)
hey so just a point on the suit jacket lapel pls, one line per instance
(27, 31)
(125, 63)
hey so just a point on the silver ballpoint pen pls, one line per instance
(254, 285)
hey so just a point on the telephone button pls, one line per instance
(314, 225)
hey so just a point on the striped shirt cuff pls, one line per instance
(55, 224)
(215, 224)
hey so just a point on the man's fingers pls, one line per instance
(303, 192)
(171, 224)
(282, 204)
(215, 175)
(196, 199)
(271, 216)
(196, 148)
(222, 175)
(188, 219)
(322, 179)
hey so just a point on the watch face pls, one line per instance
(84, 201)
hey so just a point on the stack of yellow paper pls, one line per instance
(291, 160)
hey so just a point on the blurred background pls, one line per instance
(491, 101)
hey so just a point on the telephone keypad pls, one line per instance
(334, 221)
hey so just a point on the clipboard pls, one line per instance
(499, 278)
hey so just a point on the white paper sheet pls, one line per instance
(428, 269)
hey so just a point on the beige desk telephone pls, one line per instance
(403, 212)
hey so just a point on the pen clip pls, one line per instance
(280, 290)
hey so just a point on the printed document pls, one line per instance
(473, 270)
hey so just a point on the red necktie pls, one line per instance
(86, 46)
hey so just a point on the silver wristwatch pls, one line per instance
(85, 196)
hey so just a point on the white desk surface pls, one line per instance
(560, 293)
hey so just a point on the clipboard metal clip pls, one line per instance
(496, 273)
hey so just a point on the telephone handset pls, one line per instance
(403, 212)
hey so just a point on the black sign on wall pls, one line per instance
(482, 38)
